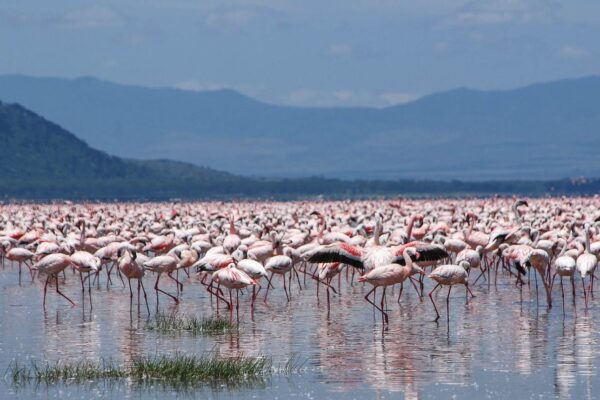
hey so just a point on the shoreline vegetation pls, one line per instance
(173, 370)
(282, 189)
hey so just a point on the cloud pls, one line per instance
(90, 18)
(227, 19)
(573, 52)
(494, 12)
(196, 86)
(340, 49)
(345, 98)
(235, 18)
(397, 98)
(302, 97)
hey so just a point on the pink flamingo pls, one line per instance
(391, 274)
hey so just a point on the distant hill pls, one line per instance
(41, 160)
(543, 131)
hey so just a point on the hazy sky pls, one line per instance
(305, 52)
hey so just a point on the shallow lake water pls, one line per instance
(500, 345)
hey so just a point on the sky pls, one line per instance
(305, 52)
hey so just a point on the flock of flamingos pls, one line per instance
(241, 247)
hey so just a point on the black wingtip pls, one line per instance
(318, 258)
(520, 268)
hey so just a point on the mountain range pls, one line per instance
(542, 131)
(42, 160)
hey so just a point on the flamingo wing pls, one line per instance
(342, 253)
(424, 252)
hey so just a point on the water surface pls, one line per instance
(500, 345)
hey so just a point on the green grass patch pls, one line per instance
(174, 370)
(175, 322)
(186, 368)
(76, 372)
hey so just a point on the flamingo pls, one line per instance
(21, 255)
(51, 265)
(586, 263)
(565, 266)
(129, 266)
(162, 265)
(449, 275)
(88, 263)
(232, 278)
(231, 241)
(254, 270)
(280, 265)
(390, 274)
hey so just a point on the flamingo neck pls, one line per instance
(587, 240)
(407, 259)
(564, 248)
(411, 223)
(467, 233)
(377, 233)
(536, 240)
(517, 215)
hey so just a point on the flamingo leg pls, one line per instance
(420, 294)
(468, 292)
(178, 284)
(536, 286)
(320, 282)
(268, 286)
(448, 303)
(384, 315)
(138, 296)
(90, 290)
(218, 295)
(61, 293)
(297, 278)
(108, 280)
(401, 289)
(237, 306)
(31, 271)
(145, 296)
(82, 287)
(573, 287)
(285, 288)
(328, 305)
(120, 275)
(480, 275)
(175, 299)
(433, 302)
(130, 296)
(369, 300)
(45, 290)
(584, 293)
(230, 308)
(562, 292)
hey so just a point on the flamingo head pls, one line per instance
(415, 269)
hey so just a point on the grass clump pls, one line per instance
(175, 370)
(64, 372)
(174, 322)
(186, 368)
